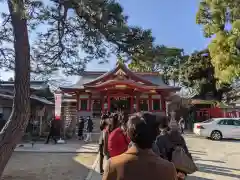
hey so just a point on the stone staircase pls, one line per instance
(69, 115)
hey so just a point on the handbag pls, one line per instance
(182, 161)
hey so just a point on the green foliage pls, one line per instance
(220, 20)
(120, 60)
(161, 59)
(198, 73)
(67, 35)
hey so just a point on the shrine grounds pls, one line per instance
(217, 160)
(48, 166)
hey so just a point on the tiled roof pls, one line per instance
(40, 99)
(36, 85)
(88, 78)
(154, 78)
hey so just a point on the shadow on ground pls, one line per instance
(207, 160)
(223, 171)
(231, 140)
(96, 176)
(45, 166)
(197, 178)
(193, 152)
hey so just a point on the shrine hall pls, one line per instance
(120, 89)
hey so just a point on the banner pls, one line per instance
(58, 105)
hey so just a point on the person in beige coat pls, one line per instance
(139, 162)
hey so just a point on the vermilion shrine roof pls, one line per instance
(120, 75)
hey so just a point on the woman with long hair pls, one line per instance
(103, 141)
(128, 166)
(118, 141)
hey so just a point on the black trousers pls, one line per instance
(51, 136)
(80, 134)
(101, 158)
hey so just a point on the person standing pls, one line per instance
(181, 124)
(103, 141)
(118, 140)
(2, 122)
(89, 129)
(166, 143)
(139, 162)
(80, 128)
(52, 132)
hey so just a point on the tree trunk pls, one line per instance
(14, 129)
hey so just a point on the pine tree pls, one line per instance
(67, 35)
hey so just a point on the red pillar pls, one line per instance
(137, 103)
(109, 103)
(131, 102)
(77, 107)
(90, 102)
(77, 98)
(103, 102)
(150, 103)
(163, 101)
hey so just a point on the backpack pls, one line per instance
(174, 153)
(182, 161)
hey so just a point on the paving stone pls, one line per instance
(70, 147)
(48, 166)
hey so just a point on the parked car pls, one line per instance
(218, 128)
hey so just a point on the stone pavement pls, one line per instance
(94, 173)
(48, 166)
(68, 147)
(216, 160)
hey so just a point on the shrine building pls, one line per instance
(120, 89)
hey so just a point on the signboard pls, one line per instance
(58, 105)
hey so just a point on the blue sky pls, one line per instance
(172, 23)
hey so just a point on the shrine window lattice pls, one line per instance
(83, 104)
(156, 105)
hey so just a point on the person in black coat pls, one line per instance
(165, 143)
(89, 129)
(2, 122)
(52, 132)
(80, 128)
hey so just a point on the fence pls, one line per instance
(216, 112)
